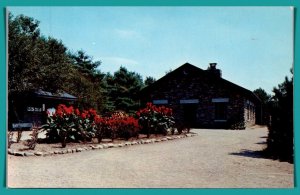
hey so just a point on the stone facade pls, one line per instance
(201, 98)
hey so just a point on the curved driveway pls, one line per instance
(213, 159)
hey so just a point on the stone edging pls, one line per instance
(100, 146)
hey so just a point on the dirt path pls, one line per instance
(213, 159)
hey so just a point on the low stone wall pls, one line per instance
(100, 146)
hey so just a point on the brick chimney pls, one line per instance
(212, 68)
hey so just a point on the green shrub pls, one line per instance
(155, 120)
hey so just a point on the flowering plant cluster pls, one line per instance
(118, 124)
(69, 124)
(155, 119)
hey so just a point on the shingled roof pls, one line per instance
(201, 73)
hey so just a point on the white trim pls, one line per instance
(157, 102)
(189, 101)
(218, 100)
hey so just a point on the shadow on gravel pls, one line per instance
(249, 153)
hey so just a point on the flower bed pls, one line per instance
(70, 126)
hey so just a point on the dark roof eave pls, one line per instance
(57, 98)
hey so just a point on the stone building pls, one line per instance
(202, 98)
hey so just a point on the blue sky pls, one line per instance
(253, 46)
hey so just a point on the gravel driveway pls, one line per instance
(213, 159)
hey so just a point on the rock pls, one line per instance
(169, 138)
(134, 143)
(110, 145)
(121, 145)
(105, 145)
(39, 153)
(11, 151)
(46, 154)
(157, 140)
(149, 141)
(69, 150)
(79, 150)
(188, 135)
(74, 150)
(29, 154)
(127, 143)
(56, 152)
(19, 153)
(85, 148)
(164, 139)
(100, 146)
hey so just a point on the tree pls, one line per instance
(123, 88)
(35, 62)
(38, 62)
(263, 111)
(87, 81)
(149, 80)
(280, 142)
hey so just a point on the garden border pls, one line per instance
(100, 146)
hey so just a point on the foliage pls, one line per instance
(37, 62)
(118, 125)
(155, 119)
(262, 116)
(68, 124)
(87, 81)
(149, 80)
(34, 61)
(10, 136)
(280, 142)
(31, 143)
(122, 89)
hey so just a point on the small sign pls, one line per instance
(34, 109)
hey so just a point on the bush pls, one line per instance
(31, 143)
(117, 125)
(155, 120)
(68, 124)
(280, 142)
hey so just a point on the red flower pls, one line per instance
(84, 115)
(77, 112)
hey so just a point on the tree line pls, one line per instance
(39, 62)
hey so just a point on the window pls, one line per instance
(160, 102)
(221, 111)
